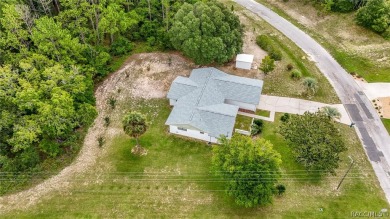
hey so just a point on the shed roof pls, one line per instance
(244, 58)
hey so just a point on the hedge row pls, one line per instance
(266, 43)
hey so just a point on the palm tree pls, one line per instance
(331, 112)
(134, 125)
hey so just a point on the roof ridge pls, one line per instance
(202, 92)
(214, 112)
(220, 79)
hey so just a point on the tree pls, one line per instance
(375, 15)
(134, 125)
(310, 84)
(250, 168)
(267, 64)
(315, 141)
(331, 112)
(206, 32)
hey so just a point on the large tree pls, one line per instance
(315, 141)
(134, 125)
(375, 15)
(206, 32)
(250, 168)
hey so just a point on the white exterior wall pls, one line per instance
(193, 134)
(243, 65)
(242, 105)
(172, 102)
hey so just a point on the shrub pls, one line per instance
(285, 117)
(280, 189)
(121, 46)
(295, 74)
(289, 67)
(266, 43)
(267, 64)
(112, 102)
(107, 121)
(310, 84)
(257, 127)
(101, 141)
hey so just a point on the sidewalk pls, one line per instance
(298, 106)
(375, 90)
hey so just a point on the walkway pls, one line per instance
(298, 106)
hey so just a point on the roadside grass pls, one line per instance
(175, 180)
(386, 122)
(243, 122)
(264, 113)
(364, 54)
(279, 81)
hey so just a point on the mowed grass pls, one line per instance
(386, 122)
(174, 180)
(264, 113)
(243, 122)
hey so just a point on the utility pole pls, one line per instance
(350, 167)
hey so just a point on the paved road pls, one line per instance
(369, 127)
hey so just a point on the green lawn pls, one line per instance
(386, 122)
(174, 180)
(264, 113)
(243, 122)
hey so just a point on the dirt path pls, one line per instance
(146, 76)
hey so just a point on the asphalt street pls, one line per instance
(369, 127)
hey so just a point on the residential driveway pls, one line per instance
(298, 106)
(375, 90)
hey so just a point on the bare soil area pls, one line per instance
(146, 75)
(384, 107)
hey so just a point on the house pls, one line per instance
(205, 105)
(244, 61)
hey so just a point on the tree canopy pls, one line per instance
(51, 53)
(206, 32)
(315, 141)
(134, 125)
(250, 168)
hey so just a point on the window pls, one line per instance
(182, 129)
(201, 132)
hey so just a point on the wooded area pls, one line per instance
(51, 53)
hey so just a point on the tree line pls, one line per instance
(51, 53)
(372, 14)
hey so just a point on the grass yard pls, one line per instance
(243, 122)
(174, 180)
(386, 122)
(264, 113)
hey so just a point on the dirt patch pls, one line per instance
(139, 151)
(384, 107)
(146, 75)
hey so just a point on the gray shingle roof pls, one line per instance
(200, 100)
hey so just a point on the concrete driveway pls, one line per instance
(374, 90)
(298, 106)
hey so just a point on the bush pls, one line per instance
(285, 117)
(107, 121)
(266, 43)
(295, 74)
(121, 46)
(101, 141)
(257, 127)
(310, 84)
(267, 64)
(289, 67)
(112, 102)
(280, 189)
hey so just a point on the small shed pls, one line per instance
(244, 61)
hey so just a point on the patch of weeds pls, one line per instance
(101, 141)
(112, 102)
(107, 121)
